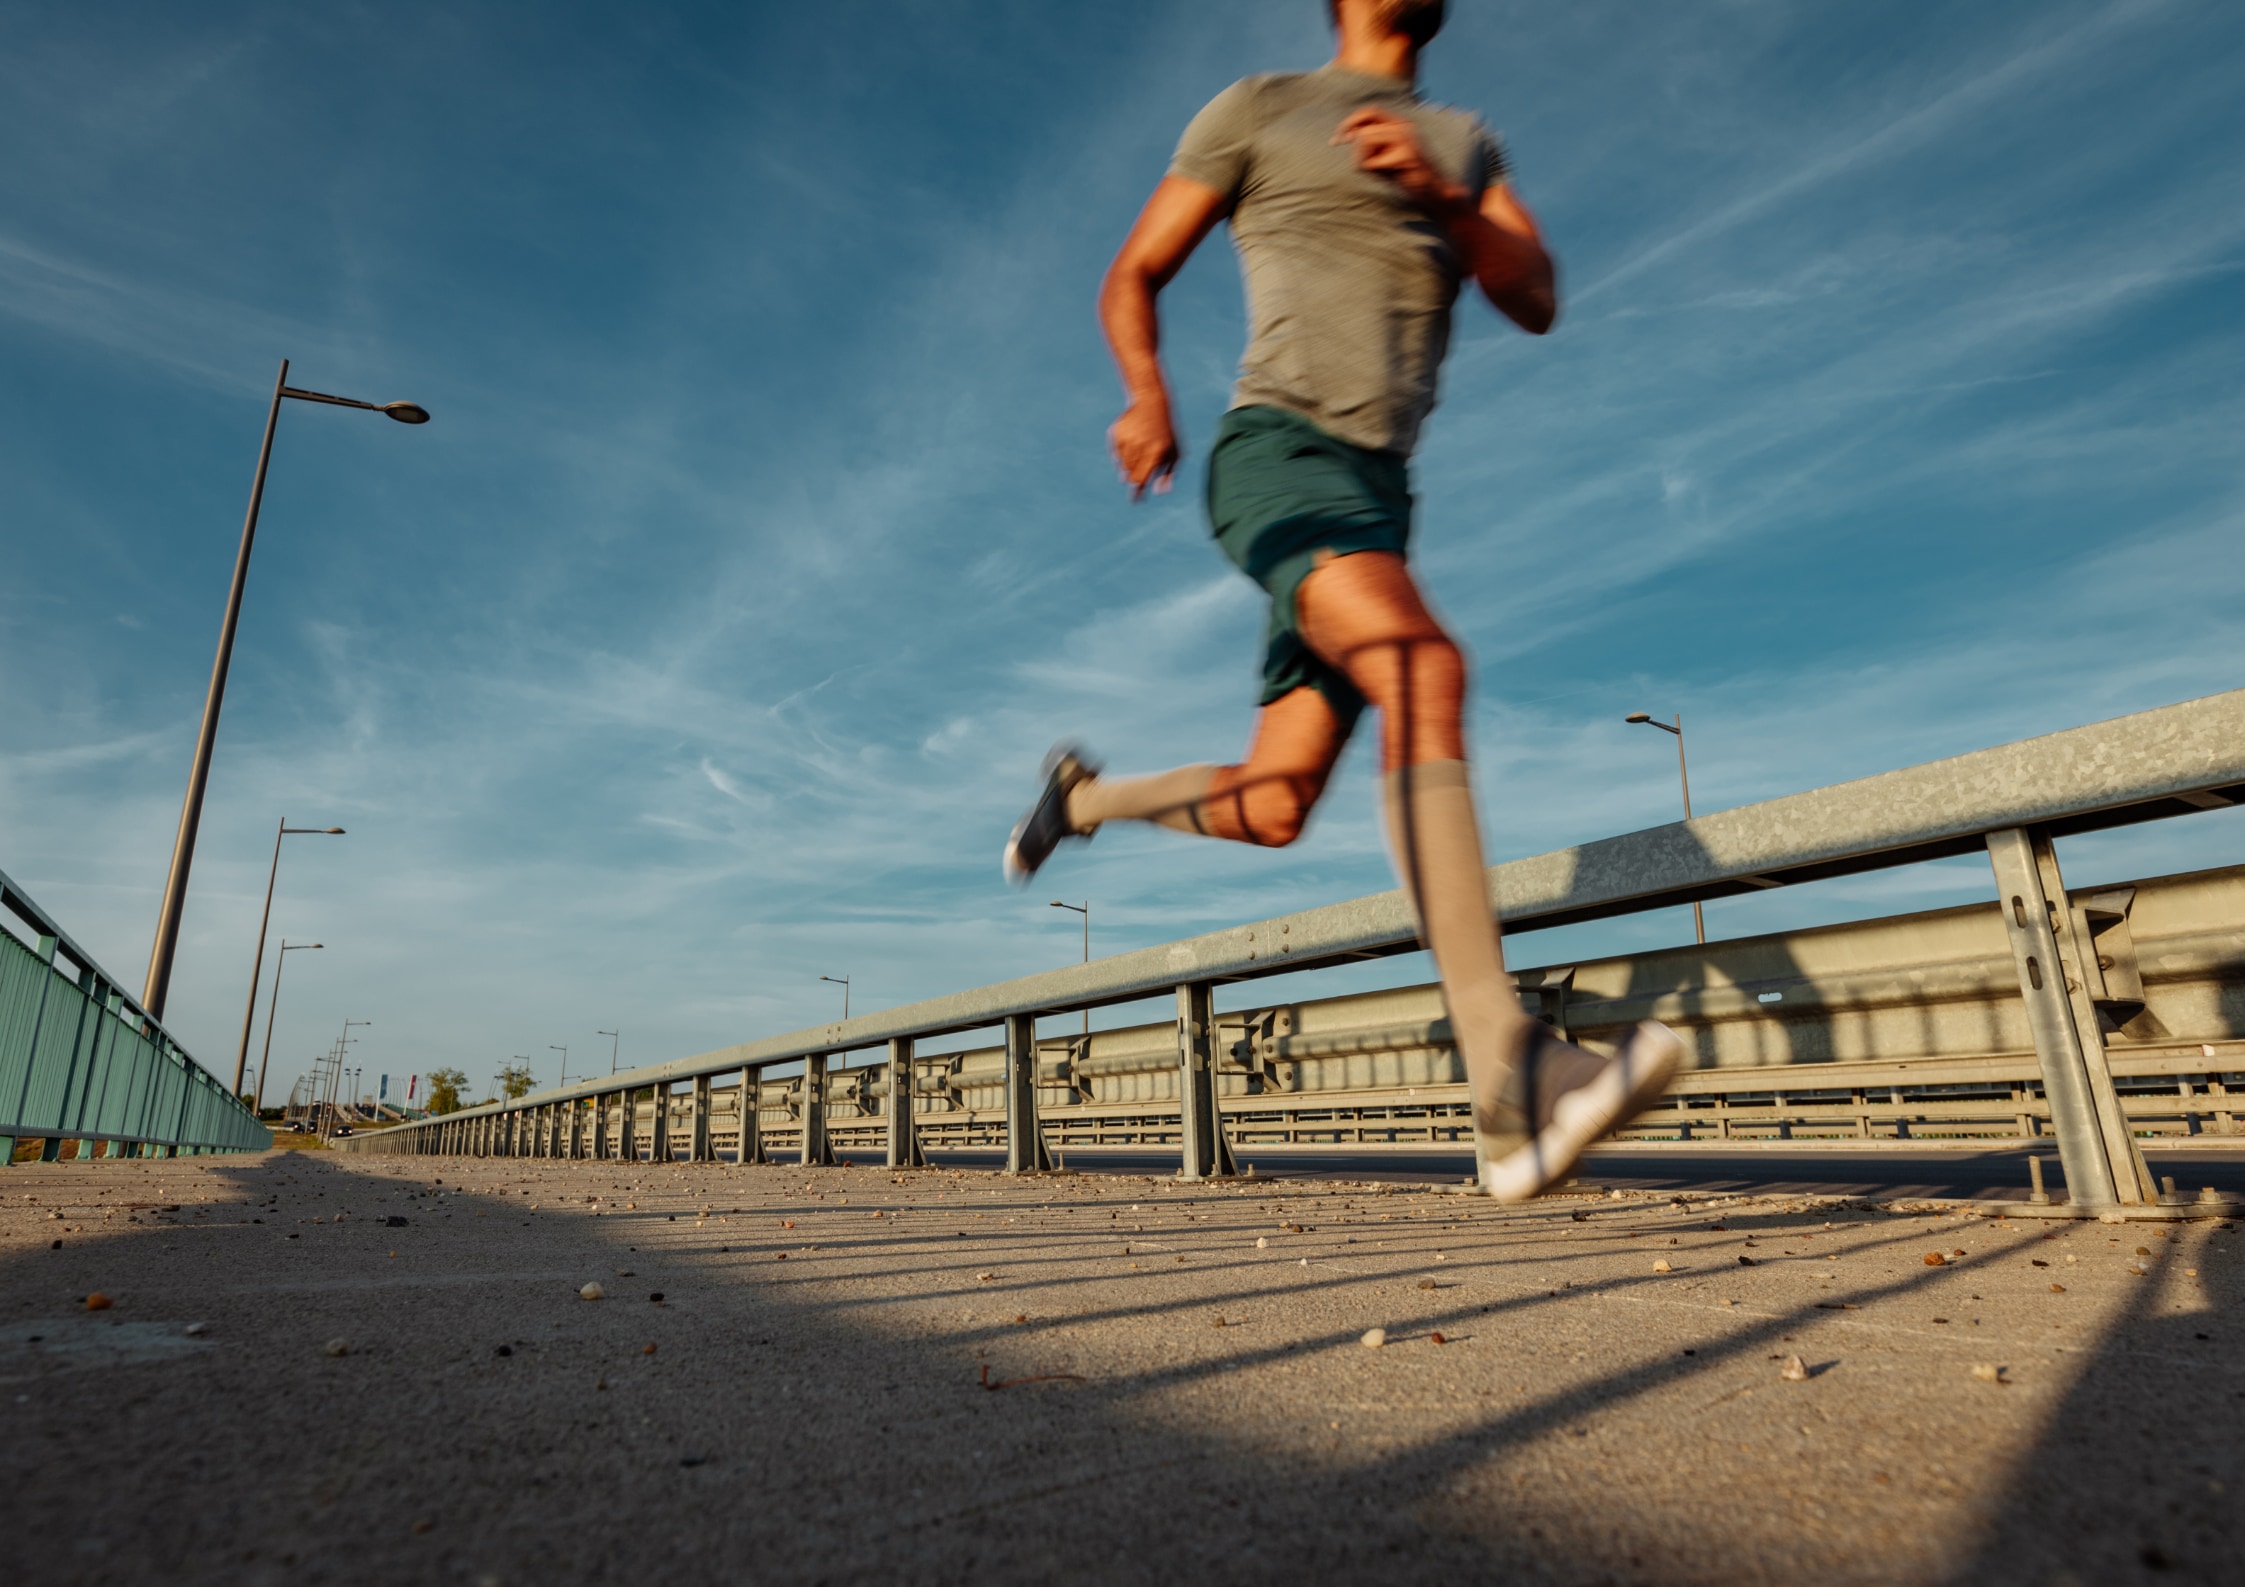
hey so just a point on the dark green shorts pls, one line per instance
(1281, 490)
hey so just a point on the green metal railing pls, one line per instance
(80, 1060)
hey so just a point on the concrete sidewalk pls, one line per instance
(937, 1377)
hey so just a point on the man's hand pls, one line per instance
(1144, 442)
(1497, 238)
(1388, 145)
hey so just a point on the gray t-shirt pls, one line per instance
(1349, 285)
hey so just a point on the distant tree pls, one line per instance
(516, 1080)
(444, 1090)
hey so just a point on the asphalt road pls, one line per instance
(308, 1370)
(1944, 1173)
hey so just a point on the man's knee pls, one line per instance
(1269, 812)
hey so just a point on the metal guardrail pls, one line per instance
(2010, 802)
(81, 1060)
(1906, 1026)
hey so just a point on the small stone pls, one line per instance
(1262, 1242)
(2143, 1250)
(2057, 1289)
(338, 1347)
(97, 1301)
(1795, 1370)
(657, 1297)
(1987, 1372)
(592, 1291)
(647, 1350)
(1728, 1303)
(1436, 1339)
(1428, 1283)
(504, 1350)
(1935, 1259)
(196, 1330)
(1374, 1338)
(1662, 1266)
(423, 1526)
(1745, 1261)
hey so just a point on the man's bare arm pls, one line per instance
(1497, 238)
(1180, 213)
(1506, 254)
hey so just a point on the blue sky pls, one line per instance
(707, 640)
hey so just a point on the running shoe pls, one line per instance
(1040, 831)
(1623, 1087)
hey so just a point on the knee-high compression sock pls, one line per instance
(1437, 840)
(1167, 798)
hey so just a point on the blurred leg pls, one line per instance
(1265, 799)
(1364, 615)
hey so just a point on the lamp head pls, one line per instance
(406, 412)
(1638, 716)
(333, 832)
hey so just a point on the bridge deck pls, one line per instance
(813, 1406)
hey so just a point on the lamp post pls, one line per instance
(550, 1047)
(198, 775)
(1699, 920)
(613, 1046)
(1083, 909)
(342, 1046)
(273, 1012)
(257, 965)
(843, 982)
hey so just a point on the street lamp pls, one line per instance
(342, 1046)
(1699, 920)
(1083, 909)
(550, 1047)
(198, 776)
(843, 982)
(273, 1012)
(612, 1046)
(257, 966)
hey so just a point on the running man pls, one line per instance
(1358, 209)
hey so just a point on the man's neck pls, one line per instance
(1376, 52)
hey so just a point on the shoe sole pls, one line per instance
(1630, 1083)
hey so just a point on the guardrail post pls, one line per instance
(627, 1125)
(1203, 1151)
(658, 1133)
(816, 1152)
(2029, 893)
(904, 1133)
(600, 1105)
(1026, 1152)
(751, 1149)
(698, 1151)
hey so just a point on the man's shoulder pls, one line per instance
(1260, 90)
